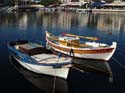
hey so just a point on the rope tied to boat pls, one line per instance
(71, 52)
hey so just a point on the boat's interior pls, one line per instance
(71, 40)
(39, 53)
(29, 48)
(18, 42)
(75, 42)
(50, 58)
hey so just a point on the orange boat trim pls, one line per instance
(97, 51)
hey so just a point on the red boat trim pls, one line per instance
(80, 51)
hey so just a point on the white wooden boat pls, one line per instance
(70, 45)
(48, 84)
(38, 59)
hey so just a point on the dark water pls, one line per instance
(103, 78)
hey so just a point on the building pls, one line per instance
(35, 1)
(66, 1)
(117, 0)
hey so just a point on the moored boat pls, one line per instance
(46, 83)
(38, 59)
(71, 45)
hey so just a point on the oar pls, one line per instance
(86, 37)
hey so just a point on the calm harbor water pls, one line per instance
(103, 78)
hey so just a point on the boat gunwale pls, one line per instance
(78, 48)
(88, 49)
(32, 60)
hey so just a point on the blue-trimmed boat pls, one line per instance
(37, 58)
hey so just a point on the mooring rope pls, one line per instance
(121, 54)
(123, 66)
(54, 84)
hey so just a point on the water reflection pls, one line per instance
(23, 22)
(65, 20)
(111, 22)
(103, 22)
(20, 20)
(89, 76)
(92, 66)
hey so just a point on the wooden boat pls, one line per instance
(38, 59)
(71, 45)
(48, 84)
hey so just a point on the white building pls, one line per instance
(66, 1)
(117, 0)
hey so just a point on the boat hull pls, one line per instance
(48, 70)
(86, 53)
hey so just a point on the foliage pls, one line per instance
(49, 2)
(97, 0)
(9, 2)
(109, 1)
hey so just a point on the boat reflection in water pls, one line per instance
(89, 76)
(46, 83)
(95, 66)
(74, 82)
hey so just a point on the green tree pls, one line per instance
(49, 2)
(9, 2)
(109, 1)
(97, 0)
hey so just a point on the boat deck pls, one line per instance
(50, 58)
(31, 48)
(87, 44)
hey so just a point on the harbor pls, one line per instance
(74, 28)
(81, 6)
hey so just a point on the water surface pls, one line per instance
(32, 26)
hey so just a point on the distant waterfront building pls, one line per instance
(31, 1)
(67, 1)
(117, 0)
